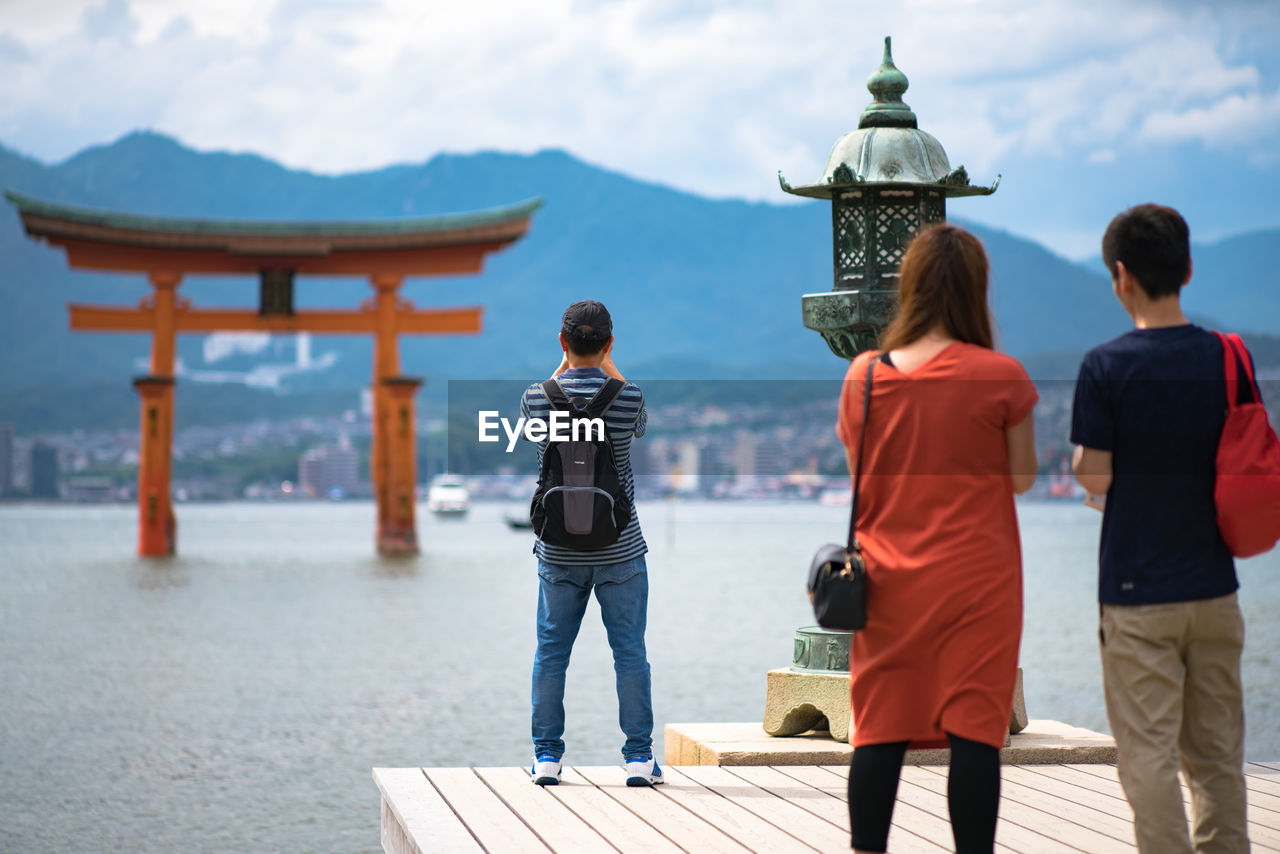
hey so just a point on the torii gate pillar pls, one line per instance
(157, 525)
(395, 485)
(392, 464)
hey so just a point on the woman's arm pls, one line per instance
(1020, 439)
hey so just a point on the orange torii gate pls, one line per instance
(168, 248)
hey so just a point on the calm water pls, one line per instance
(235, 698)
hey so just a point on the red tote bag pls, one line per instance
(1247, 485)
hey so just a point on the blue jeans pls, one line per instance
(622, 589)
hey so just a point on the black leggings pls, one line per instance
(973, 794)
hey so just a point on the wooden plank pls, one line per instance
(819, 833)
(1074, 777)
(918, 807)
(1069, 791)
(1261, 779)
(684, 828)
(1017, 789)
(824, 805)
(735, 821)
(1259, 799)
(907, 818)
(425, 820)
(622, 828)
(1009, 836)
(1268, 805)
(554, 823)
(1264, 829)
(1261, 770)
(1020, 828)
(491, 822)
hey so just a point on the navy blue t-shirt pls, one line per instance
(1156, 399)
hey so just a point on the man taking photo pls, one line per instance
(615, 572)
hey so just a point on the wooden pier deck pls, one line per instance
(1043, 808)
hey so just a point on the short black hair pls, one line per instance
(1154, 244)
(586, 340)
(586, 326)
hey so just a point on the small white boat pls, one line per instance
(448, 496)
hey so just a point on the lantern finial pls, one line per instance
(887, 85)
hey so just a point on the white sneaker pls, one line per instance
(546, 770)
(643, 771)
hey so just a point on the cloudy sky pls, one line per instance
(1083, 107)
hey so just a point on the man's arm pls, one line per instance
(610, 369)
(1092, 469)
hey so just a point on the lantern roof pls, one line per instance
(888, 149)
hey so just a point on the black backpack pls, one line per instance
(580, 502)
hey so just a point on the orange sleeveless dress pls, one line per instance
(936, 521)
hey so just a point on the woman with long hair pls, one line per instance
(949, 440)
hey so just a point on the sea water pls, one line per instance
(235, 698)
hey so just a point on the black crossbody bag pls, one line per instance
(838, 575)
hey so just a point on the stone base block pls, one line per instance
(797, 701)
(1040, 743)
(1018, 720)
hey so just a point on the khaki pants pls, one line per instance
(1171, 673)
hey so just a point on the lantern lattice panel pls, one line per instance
(895, 223)
(935, 208)
(850, 238)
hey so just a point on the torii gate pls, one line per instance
(167, 248)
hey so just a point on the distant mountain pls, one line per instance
(697, 286)
(1237, 281)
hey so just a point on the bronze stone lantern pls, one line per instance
(885, 181)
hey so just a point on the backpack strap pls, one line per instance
(605, 397)
(555, 395)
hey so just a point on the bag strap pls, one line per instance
(857, 466)
(1236, 360)
(596, 407)
(555, 394)
(605, 397)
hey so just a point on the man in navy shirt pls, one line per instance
(617, 573)
(1149, 408)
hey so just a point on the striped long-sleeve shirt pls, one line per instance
(625, 419)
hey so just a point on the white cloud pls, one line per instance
(1222, 124)
(713, 97)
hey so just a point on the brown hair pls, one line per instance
(943, 280)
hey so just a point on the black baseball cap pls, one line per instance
(587, 313)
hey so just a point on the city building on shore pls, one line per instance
(329, 472)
